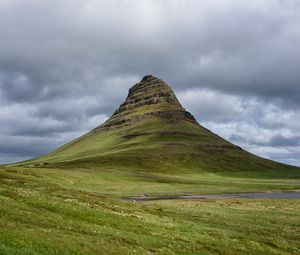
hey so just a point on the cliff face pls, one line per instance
(149, 91)
(149, 98)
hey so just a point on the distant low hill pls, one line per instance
(152, 132)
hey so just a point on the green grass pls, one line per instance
(56, 211)
(161, 146)
(69, 201)
(126, 183)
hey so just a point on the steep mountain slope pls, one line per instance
(151, 131)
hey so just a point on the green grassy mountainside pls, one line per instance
(70, 201)
(152, 132)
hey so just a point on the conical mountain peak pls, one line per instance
(151, 90)
(149, 98)
(148, 82)
(151, 131)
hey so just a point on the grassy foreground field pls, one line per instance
(56, 211)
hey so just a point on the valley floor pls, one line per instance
(55, 211)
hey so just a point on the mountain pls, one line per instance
(79, 198)
(151, 131)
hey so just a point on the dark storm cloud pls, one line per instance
(65, 65)
(285, 141)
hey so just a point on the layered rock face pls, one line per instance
(149, 98)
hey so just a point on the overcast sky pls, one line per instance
(66, 65)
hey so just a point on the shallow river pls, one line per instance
(286, 194)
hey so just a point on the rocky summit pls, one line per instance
(149, 98)
(152, 132)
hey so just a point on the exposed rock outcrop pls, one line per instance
(150, 98)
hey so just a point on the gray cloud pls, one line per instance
(65, 66)
(285, 141)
